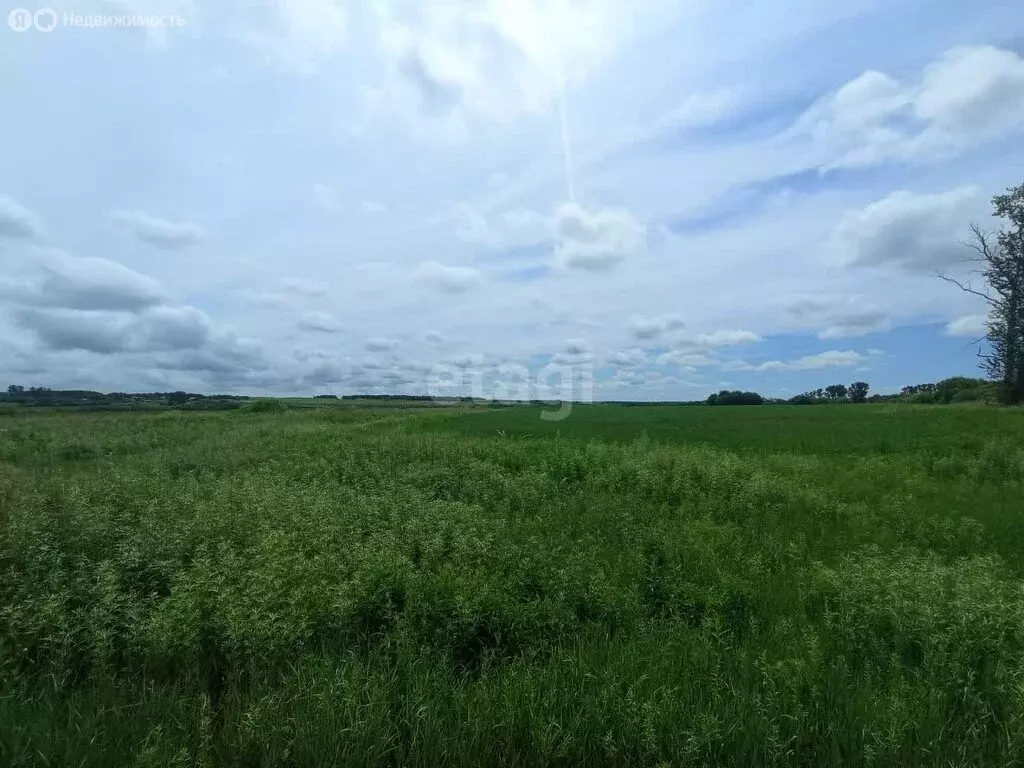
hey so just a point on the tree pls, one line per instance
(15, 389)
(727, 397)
(177, 398)
(859, 392)
(999, 260)
(835, 392)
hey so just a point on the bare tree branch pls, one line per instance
(967, 289)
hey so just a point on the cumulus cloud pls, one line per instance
(646, 328)
(300, 286)
(727, 338)
(918, 233)
(574, 352)
(318, 322)
(17, 221)
(970, 94)
(381, 345)
(855, 324)
(53, 278)
(829, 359)
(98, 332)
(513, 228)
(467, 360)
(159, 232)
(627, 358)
(968, 325)
(435, 338)
(459, 63)
(171, 328)
(595, 241)
(686, 358)
(972, 89)
(226, 359)
(446, 279)
(159, 329)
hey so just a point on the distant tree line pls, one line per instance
(957, 389)
(89, 400)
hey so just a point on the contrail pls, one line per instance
(563, 114)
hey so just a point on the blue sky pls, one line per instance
(499, 195)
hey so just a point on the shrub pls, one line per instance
(727, 397)
(265, 405)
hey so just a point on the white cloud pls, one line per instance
(159, 329)
(447, 279)
(627, 358)
(17, 221)
(830, 359)
(227, 360)
(695, 109)
(685, 176)
(488, 61)
(53, 278)
(855, 324)
(686, 359)
(512, 228)
(968, 325)
(595, 241)
(98, 332)
(171, 328)
(652, 327)
(318, 322)
(468, 360)
(969, 95)
(916, 232)
(727, 338)
(381, 345)
(159, 232)
(973, 90)
(300, 286)
(574, 352)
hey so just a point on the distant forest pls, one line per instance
(957, 389)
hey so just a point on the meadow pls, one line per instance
(657, 585)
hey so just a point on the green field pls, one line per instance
(631, 586)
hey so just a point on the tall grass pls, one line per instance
(359, 587)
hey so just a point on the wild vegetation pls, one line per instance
(631, 586)
(998, 259)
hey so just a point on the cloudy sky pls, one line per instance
(302, 196)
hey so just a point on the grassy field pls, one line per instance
(632, 586)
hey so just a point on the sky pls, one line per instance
(504, 198)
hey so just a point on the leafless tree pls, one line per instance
(999, 260)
